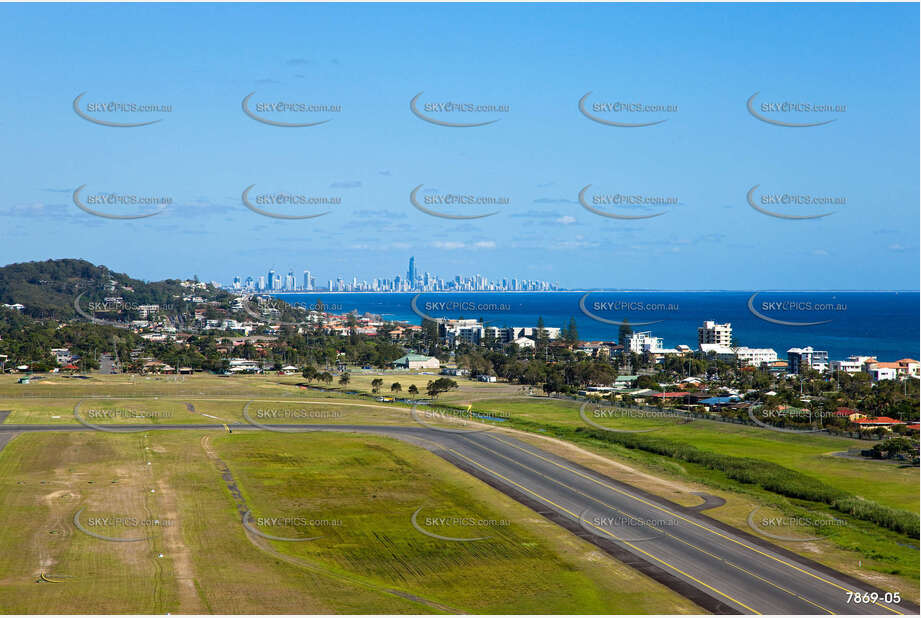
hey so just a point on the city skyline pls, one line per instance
(465, 308)
(414, 281)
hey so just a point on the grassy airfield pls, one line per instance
(373, 560)
(356, 494)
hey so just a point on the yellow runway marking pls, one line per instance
(564, 509)
(680, 540)
(701, 526)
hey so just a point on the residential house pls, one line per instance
(416, 361)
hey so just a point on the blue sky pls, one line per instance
(539, 60)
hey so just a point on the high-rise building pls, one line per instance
(711, 332)
(271, 280)
(639, 343)
(308, 282)
(411, 273)
(800, 359)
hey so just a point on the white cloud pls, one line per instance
(449, 245)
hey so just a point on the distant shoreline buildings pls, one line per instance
(413, 281)
(713, 339)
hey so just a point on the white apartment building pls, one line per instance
(454, 331)
(878, 373)
(146, 311)
(713, 333)
(508, 334)
(642, 342)
(531, 331)
(473, 332)
(755, 357)
(853, 364)
(799, 358)
(723, 352)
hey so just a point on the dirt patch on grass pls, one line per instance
(178, 552)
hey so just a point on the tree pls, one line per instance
(413, 389)
(540, 347)
(553, 384)
(396, 388)
(376, 384)
(624, 332)
(571, 332)
(429, 335)
(441, 385)
(893, 447)
(647, 382)
(345, 378)
(326, 377)
(310, 373)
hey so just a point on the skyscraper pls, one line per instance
(411, 273)
(308, 284)
(271, 279)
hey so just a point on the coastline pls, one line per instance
(582, 291)
(872, 323)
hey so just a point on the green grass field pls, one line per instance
(318, 409)
(268, 470)
(371, 561)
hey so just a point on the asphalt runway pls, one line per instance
(723, 569)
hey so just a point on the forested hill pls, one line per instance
(48, 289)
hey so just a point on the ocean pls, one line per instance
(881, 324)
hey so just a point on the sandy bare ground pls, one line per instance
(177, 551)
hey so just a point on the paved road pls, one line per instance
(723, 569)
(107, 364)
